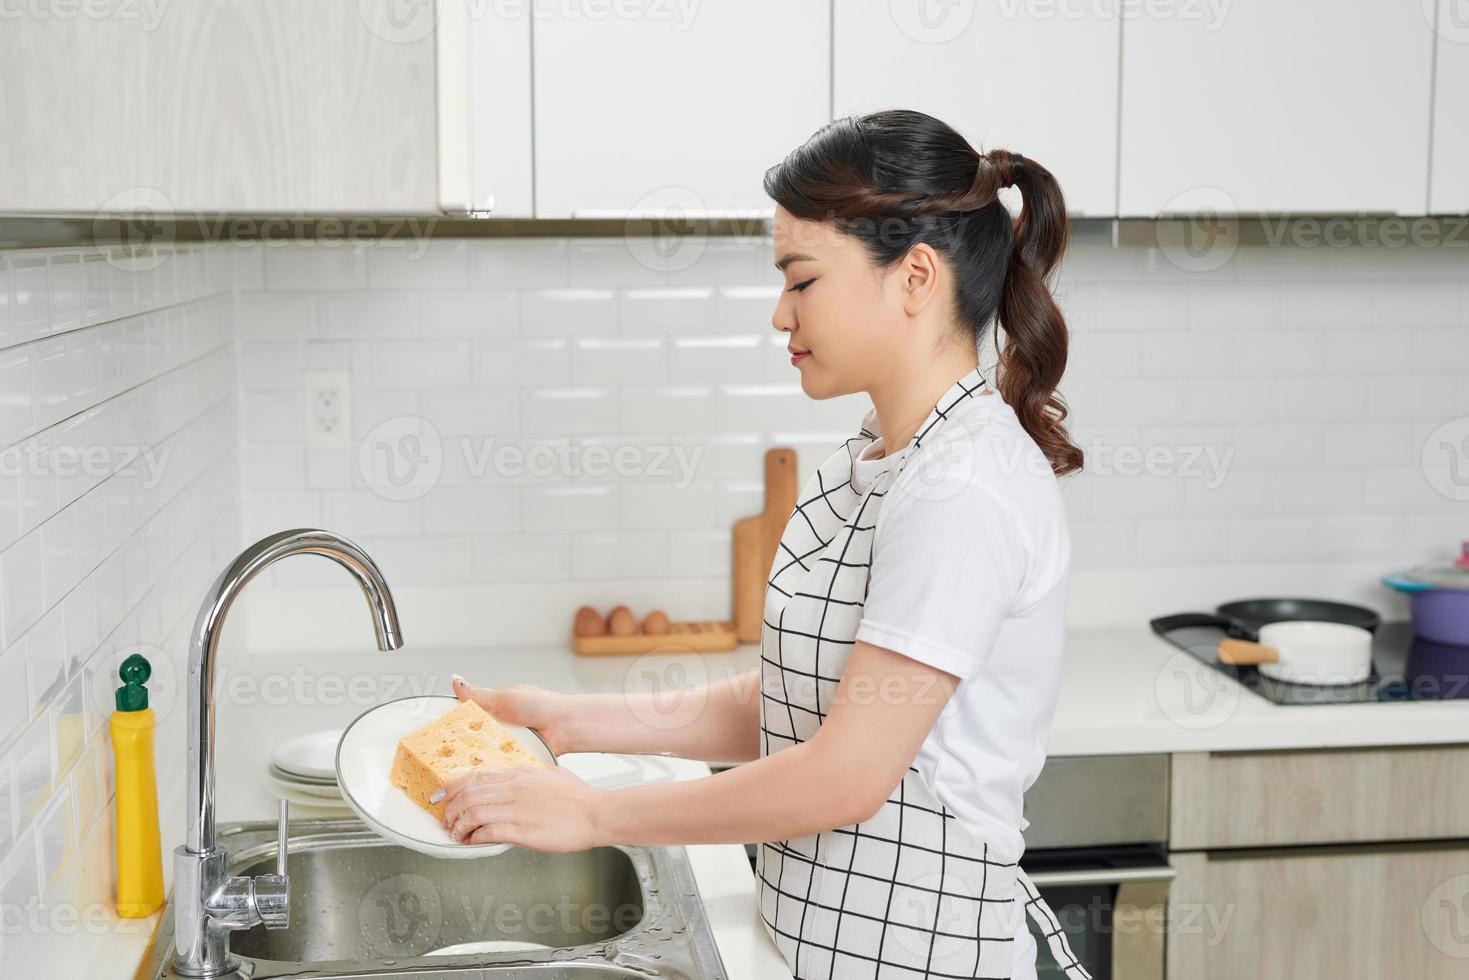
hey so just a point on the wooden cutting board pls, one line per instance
(755, 540)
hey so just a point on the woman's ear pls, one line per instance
(918, 278)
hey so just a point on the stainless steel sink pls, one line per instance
(362, 907)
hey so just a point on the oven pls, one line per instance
(1097, 851)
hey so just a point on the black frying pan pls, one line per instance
(1243, 618)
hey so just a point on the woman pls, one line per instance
(913, 618)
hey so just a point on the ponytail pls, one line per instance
(1033, 355)
(895, 178)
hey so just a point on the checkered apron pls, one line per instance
(910, 892)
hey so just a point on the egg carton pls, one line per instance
(683, 636)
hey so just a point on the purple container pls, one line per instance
(1440, 597)
(1442, 615)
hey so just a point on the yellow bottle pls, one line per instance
(139, 856)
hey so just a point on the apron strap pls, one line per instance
(1041, 914)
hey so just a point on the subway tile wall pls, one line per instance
(537, 423)
(119, 499)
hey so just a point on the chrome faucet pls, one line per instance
(208, 905)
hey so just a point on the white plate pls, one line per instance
(365, 759)
(309, 790)
(313, 756)
(612, 770)
(297, 798)
(487, 946)
(290, 777)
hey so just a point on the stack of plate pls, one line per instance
(304, 771)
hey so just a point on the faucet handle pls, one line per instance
(280, 837)
(273, 892)
(273, 901)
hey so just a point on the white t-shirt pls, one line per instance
(970, 568)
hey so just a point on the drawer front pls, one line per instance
(1346, 913)
(1261, 799)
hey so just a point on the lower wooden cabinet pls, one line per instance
(1378, 912)
(1319, 796)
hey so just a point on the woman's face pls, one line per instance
(845, 319)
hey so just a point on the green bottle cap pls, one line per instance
(134, 673)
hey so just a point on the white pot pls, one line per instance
(1318, 653)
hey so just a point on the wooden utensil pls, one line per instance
(755, 541)
(1243, 652)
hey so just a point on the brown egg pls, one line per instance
(620, 622)
(656, 622)
(588, 622)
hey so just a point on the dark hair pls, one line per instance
(895, 178)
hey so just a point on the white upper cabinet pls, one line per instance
(1037, 79)
(1449, 186)
(236, 106)
(1272, 106)
(669, 107)
(616, 108)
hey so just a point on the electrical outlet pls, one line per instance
(328, 410)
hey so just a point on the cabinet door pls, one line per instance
(1449, 190)
(485, 119)
(1397, 911)
(275, 106)
(648, 106)
(1303, 106)
(1018, 76)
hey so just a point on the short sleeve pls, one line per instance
(948, 562)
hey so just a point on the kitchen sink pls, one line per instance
(363, 907)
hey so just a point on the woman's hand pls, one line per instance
(543, 809)
(525, 705)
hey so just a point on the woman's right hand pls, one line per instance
(524, 704)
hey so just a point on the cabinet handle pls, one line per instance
(1102, 876)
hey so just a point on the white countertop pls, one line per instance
(1128, 691)
(1123, 691)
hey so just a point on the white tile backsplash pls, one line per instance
(119, 495)
(1238, 416)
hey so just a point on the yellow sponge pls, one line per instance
(465, 738)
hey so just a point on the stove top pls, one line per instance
(1404, 668)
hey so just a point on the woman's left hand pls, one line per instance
(543, 809)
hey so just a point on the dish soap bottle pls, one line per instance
(139, 857)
